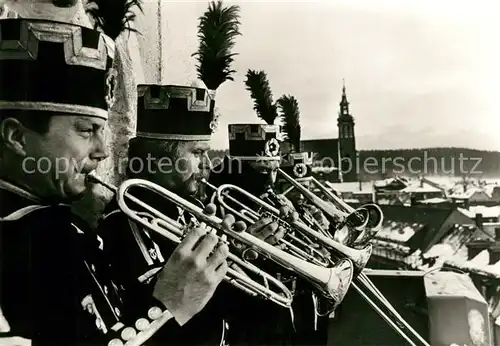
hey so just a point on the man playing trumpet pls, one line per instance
(255, 154)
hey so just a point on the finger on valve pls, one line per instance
(193, 236)
(228, 222)
(277, 236)
(239, 226)
(206, 246)
(218, 256)
(210, 209)
(267, 231)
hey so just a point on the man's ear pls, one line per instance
(13, 135)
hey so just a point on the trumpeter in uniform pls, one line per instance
(255, 154)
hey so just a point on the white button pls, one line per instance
(154, 313)
(115, 342)
(142, 324)
(128, 333)
(99, 324)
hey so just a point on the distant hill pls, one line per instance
(457, 162)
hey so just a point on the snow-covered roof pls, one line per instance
(433, 200)
(441, 282)
(440, 250)
(351, 187)
(487, 212)
(397, 231)
(420, 188)
(479, 265)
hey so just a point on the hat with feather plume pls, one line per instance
(187, 112)
(257, 141)
(48, 63)
(296, 163)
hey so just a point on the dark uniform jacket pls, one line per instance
(137, 255)
(55, 288)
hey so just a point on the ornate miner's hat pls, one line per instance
(254, 142)
(51, 66)
(298, 165)
(174, 112)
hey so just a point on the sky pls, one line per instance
(418, 73)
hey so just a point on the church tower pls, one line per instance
(346, 142)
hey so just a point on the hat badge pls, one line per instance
(110, 87)
(272, 147)
(300, 170)
(214, 123)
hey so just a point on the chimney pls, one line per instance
(360, 186)
(479, 221)
(495, 247)
(474, 247)
(413, 200)
(466, 204)
(421, 182)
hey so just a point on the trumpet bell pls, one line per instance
(352, 227)
(341, 276)
(375, 220)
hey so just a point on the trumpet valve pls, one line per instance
(249, 254)
(276, 219)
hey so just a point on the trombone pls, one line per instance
(332, 282)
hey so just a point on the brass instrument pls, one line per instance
(359, 225)
(302, 250)
(359, 257)
(361, 282)
(332, 282)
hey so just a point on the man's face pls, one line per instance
(269, 168)
(56, 163)
(190, 164)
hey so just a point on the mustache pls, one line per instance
(201, 175)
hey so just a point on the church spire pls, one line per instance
(344, 104)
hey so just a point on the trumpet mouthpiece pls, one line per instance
(91, 178)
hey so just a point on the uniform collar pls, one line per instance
(19, 191)
(14, 197)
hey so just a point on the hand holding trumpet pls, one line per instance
(194, 270)
(269, 229)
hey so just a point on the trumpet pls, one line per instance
(359, 225)
(332, 282)
(359, 257)
(249, 215)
